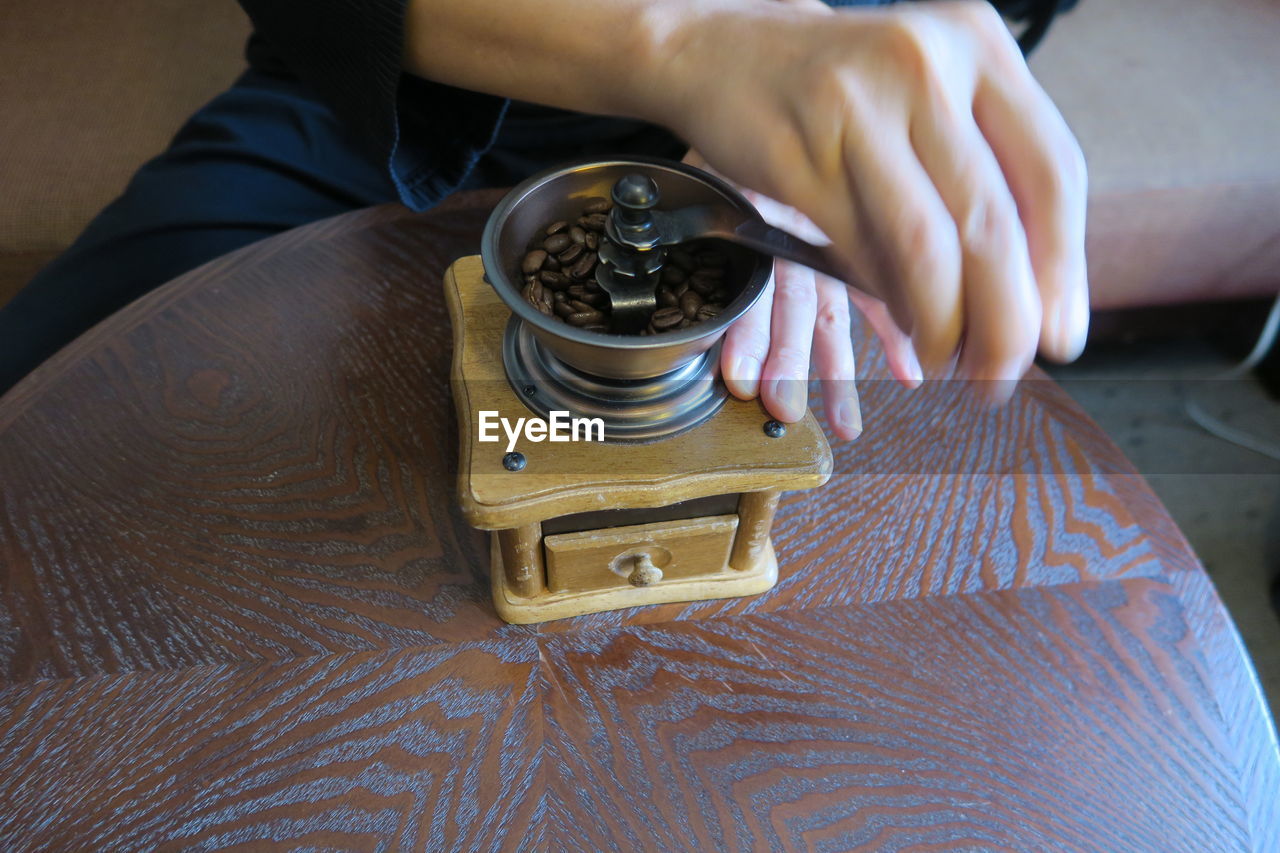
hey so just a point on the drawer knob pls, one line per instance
(645, 573)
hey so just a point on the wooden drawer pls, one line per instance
(605, 559)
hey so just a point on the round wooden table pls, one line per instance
(241, 609)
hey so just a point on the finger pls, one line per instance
(833, 359)
(900, 354)
(1001, 302)
(1045, 171)
(917, 235)
(815, 181)
(898, 351)
(746, 345)
(784, 386)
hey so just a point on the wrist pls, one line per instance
(686, 51)
(584, 55)
(659, 55)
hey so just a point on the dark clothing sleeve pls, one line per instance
(428, 135)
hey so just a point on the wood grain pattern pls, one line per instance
(1068, 718)
(267, 502)
(239, 607)
(407, 750)
(1072, 718)
(1236, 689)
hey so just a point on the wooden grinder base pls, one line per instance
(624, 534)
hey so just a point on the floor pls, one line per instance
(1225, 498)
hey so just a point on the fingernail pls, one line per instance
(848, 417)
(792, 396)
(1069, 325)
(915, 373)
(744, 373)
(1077, 328)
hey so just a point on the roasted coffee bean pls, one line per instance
(553, 279)
(666, 318)
(690, 303)
(556, 243)
(594, 222)
(536, 295)
(584, 266)
(533, 261)
(559, 282)
(571, 254)
(585, 318)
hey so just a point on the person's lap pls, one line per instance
(261, 158)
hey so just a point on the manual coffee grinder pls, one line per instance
(677, 502)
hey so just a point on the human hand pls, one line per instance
(802, 316)
(918, 140)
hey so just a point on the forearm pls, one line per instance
(584, 55)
